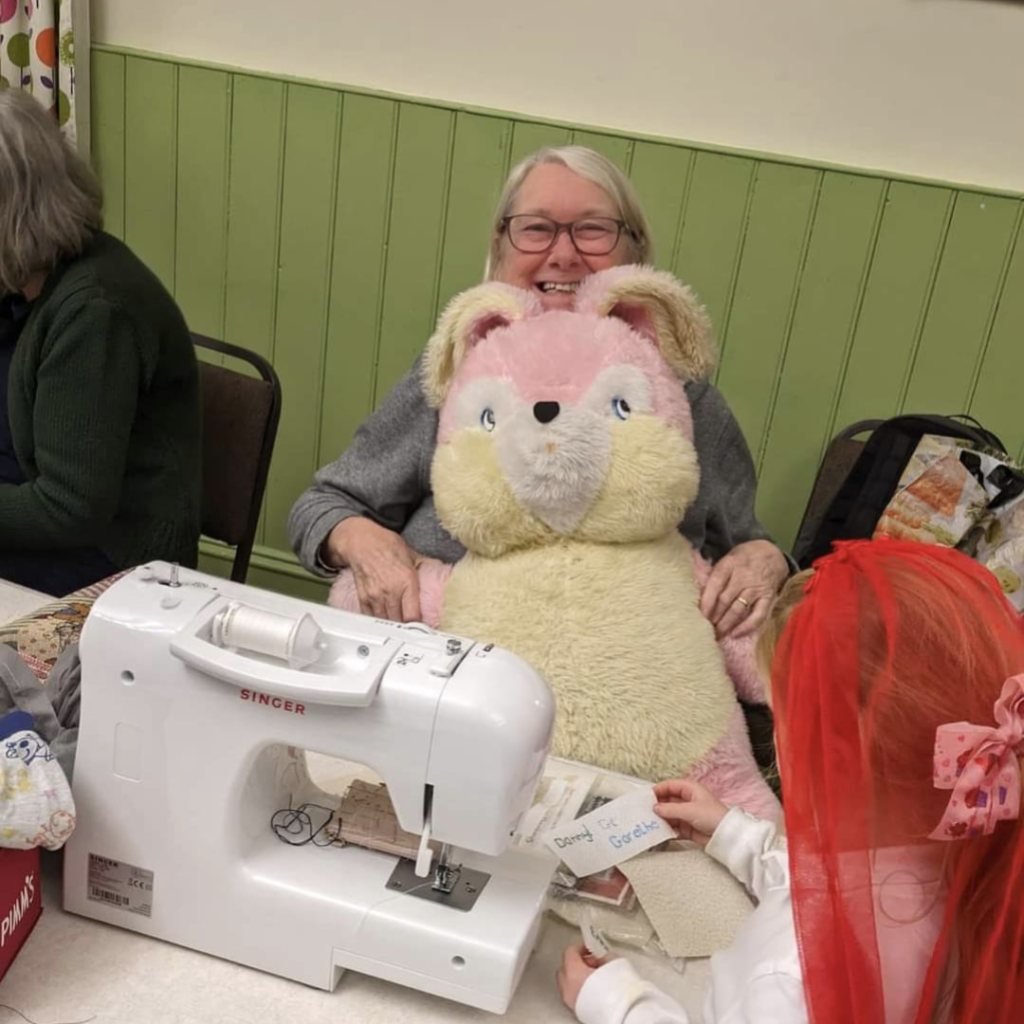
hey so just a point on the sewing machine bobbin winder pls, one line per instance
(199, 698)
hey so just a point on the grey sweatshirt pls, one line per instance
(385, 475)
(54, 705)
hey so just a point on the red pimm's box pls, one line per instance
(20, 901)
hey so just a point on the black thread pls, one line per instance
(294, 826)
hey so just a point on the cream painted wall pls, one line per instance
(922, 87)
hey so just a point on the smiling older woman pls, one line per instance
(564, 213)
(99, 425)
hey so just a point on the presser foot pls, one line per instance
(463, 885)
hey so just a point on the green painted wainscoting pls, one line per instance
(324, 226)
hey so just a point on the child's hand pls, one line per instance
(690, 808)
(577, 966)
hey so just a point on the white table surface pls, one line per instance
(72, 969)
(16, 601)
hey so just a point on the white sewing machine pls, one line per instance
(199, 697)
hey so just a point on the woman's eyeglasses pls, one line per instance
(592, 236)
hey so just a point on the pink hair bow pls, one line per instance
(979, 763)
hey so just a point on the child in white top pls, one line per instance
(898, 685)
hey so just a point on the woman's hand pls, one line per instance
(739, 592)
(693, 811)
(577, 965)
(383, 565)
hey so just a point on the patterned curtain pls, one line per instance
(37, 54)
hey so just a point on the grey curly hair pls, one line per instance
(50, 200)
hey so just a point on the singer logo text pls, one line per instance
(280, 703)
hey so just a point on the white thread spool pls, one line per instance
(298, 641)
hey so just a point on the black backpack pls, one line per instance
(858, 505)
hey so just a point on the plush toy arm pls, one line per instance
(433, 579)
(730, 772)
(343, 592)
(740, 659)
(433, 576)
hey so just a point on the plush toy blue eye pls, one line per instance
(487, 419)
(621, 408)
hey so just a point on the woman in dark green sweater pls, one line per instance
(99, 392)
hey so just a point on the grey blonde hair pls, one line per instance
(50, 200)
(589, 164)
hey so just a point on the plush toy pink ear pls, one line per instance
(659, 307)
(466, 320)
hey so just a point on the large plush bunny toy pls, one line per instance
(565, 461)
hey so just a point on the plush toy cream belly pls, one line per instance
(617, 632)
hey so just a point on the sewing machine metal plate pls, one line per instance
(199, 700)
(462, 895)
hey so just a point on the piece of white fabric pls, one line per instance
(682, 876)
(36, 807)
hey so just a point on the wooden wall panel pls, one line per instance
(150, 163)
(324, 228)
(810, 378)
(200, 252)
(998, 398)
(661, 175)
(781, 212)
(713, 223)
(256, 174)
(907, 255)
(304, 275)
(419, 199)
(107, 144)
(479, 161)
(361, 220)
(963, 303)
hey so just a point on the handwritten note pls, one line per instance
(611, 834)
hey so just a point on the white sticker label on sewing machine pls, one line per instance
(120, 885)
(616, 831)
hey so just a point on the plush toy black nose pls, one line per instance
(545, 412)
